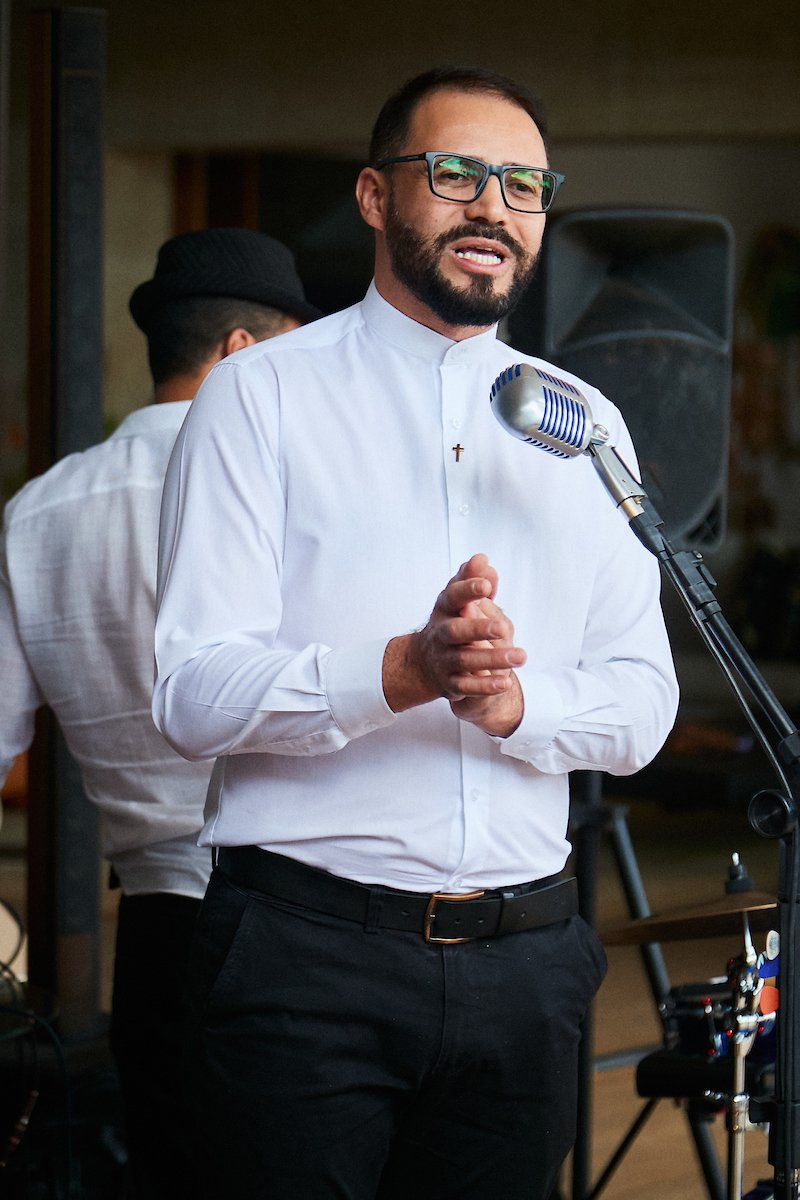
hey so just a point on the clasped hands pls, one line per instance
(465, 653)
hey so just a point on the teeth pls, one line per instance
(485, 258)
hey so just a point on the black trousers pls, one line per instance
(327, 1060)
(154, 933)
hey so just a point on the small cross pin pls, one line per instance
(458, 450)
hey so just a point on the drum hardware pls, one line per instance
(589, 817)
(696, 1017)
(721, 1030)
(708, 1043)
(764, 1189)
(718, 1052)
(747, 984)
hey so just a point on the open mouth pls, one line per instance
(483, 257)
(481, 254)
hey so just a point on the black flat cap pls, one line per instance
(237, 263)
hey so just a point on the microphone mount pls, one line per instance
(625, 489)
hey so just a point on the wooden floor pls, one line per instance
(682, 854)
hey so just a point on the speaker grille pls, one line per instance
(639, 302)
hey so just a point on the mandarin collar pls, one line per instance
(167, 415)
(395, 327)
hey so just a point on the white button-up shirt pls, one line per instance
(314, 507)
(77, 609)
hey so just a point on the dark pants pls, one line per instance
(327, 1060)
(147, 1029)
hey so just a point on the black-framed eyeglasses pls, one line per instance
(455, 177)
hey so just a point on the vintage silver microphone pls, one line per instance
(552, 414)
(543, 410)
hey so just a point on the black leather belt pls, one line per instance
(442, 917)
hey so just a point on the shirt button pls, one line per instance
(463, 509)
(456, 422)
(474, 794)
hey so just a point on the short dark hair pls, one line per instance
(186, 332)
(393, 122)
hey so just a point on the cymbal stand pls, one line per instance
(592, 814)
(772, 813)
(746, 988)
(589, 816)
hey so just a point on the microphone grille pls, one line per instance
(562, 384)
(561, 424)
(563, 419)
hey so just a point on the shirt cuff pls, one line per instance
(541, 720)
(354, 689)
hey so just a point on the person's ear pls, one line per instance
(372, 193)
(237, 339)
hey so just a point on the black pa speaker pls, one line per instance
(639, 302)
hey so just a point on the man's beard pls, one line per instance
(415, 262)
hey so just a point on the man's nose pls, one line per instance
(490, 205)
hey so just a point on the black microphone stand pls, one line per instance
(772, 813)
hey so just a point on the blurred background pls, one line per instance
(233, 113)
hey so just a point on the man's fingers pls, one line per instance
(462, 630)
(461, 592)
(476, 659)
(494, 659)
(476, 684)
(466, 649)
(479, 567)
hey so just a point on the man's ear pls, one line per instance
(237, 339)
(371, 195)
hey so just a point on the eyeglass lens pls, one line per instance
(456, 178)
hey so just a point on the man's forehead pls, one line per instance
(472, 119)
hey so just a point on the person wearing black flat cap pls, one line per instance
(232, 264)
(77, 595)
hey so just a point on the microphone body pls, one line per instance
(554, 415)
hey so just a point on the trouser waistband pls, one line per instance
(439, 917)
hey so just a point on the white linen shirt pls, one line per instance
(77, 609)
(314, 507)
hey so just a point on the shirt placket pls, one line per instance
(460, 458)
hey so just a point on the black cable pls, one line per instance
(37, 1022)
(26, 1063)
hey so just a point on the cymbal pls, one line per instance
(713, 919)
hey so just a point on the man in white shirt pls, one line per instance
(77, 608)
(389, 978)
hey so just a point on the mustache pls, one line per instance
(478, 229)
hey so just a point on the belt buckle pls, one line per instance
(430, 916)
